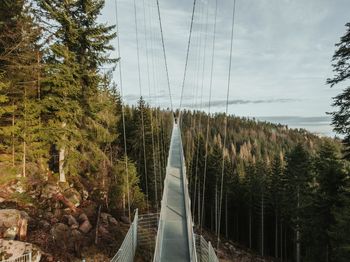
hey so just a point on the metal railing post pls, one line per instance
(136, 220)
(209, 251)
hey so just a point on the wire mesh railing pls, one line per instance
(147, 233)
(205, 251)
(24, 258)
(190, 232)
(126, 252)
(158, 245)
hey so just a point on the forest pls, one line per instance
(283, 190)
(286, 192)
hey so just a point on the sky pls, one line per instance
(281, 58)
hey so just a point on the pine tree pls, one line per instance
(341, 68)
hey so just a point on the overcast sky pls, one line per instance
(281, 56)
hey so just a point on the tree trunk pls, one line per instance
(61, 160)
(216, 209)
(24, 162)
(212, 222)
(61, 164)
(281, 241)
(237, 227)
(13, 134)
(276, 234)
(97, 224)
(199, 203)
(285, 245)
(262, 224)
(124, 209)
(298, 230)
(226, 217)
(24, 159)
(250, 227)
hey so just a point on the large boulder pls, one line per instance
(13, 223)
(14, 250)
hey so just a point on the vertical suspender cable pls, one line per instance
(141, 106)
(187, 55)
(158, 111)
(226, 112)
(196, 158)
(151, 113)
(208, 119)
(190, 145)
(165, 57)
(123, 112)
(156, 153)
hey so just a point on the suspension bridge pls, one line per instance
(175, 239)
(169, 236)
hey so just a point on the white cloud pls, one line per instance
(282, 49)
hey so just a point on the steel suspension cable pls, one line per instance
(196, 159)
(123, 110)
(151, 113)
(141, 106)
(165, 57)
(197, 58)
(155, 87)
(187, 55)
(160, 134)
(226, 112)
(209, 111)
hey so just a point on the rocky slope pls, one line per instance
(58, 223)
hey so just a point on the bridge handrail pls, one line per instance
(127, 250)
(164, 203)
(205, 250)
(190, 232)
(24, 258)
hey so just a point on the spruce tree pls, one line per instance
(298, 178)
(340, 231)
(20, 65)
(330, 178)
(277, 185)
(85, 49)
(5, 109)
(341, 68)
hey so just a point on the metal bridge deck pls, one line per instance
(175, 245)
